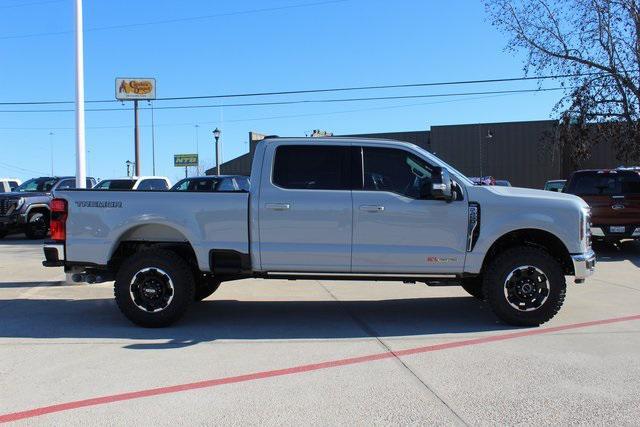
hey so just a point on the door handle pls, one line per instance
(278, 206)
(371, 208)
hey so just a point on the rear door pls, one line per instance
(395, 230)
(305, 212)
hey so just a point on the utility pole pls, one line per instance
(81, 181)
(136, 136)
(51, 148)
(197, 126)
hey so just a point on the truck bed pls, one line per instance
(99, 220)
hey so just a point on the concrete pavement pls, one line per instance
(64, 343)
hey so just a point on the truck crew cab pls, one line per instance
(328, 208)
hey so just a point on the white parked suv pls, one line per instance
(134, 183)
(7, 185)
(328, 209)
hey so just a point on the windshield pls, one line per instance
(36, 185)
(196, 184)
(441, 162)
(115, 184)
(604, 183)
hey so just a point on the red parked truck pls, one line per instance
(614, 198)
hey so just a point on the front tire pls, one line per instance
(525, 286)
(154, 288)
(37, 226)
(473, 286)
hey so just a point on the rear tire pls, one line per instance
(154, 288)
(525, 286)
(37, 226)
(205, 287)
(473, 286)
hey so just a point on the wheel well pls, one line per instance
(41, 210)
(534, 238)
(127, 248)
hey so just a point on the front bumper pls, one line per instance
(9, 222)
(53, 254)
(584, 265)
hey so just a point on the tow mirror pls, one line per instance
(441, 185)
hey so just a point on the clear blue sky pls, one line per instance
(243, 49)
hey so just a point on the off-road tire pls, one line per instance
(178, 272)
(500, 268)
(473, 286)
(205, 287)
(34, 229)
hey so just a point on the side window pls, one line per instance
(312, 167)
(153, 184)
(226, 185)
(67, 184)
(396, 171)
(243, 183)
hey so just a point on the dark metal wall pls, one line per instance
(519, 152)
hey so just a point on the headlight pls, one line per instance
(585, 226)
(20, 203)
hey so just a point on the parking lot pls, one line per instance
(316, 352)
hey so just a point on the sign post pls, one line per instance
(135, 89)
(186, 160)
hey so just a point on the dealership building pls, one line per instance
(520, 152)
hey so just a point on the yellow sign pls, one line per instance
(135, 89)
(182, 160)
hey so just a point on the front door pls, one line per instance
(305, 208)
(395, 231)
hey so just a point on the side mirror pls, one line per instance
(441, 184)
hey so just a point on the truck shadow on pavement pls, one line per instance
(628, 250)
(213, 320)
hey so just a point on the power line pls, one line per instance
(7, 165)
(175, 20)
(303, 101)
(251, 119)
(325, 90)
(35, 3)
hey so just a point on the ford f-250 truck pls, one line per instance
(328, 208)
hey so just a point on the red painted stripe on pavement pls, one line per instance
(299, 369)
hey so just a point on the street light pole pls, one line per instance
(153, 142)
(216, 135)
(81, 181)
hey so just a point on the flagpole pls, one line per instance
(81, 181)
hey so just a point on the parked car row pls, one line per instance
(25, 207)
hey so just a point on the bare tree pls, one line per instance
(597, 42)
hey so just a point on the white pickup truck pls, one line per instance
(328, 208)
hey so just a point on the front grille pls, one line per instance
(7, 206)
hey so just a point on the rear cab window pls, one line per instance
(115, 184)
(312, 167)
(153, 184)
